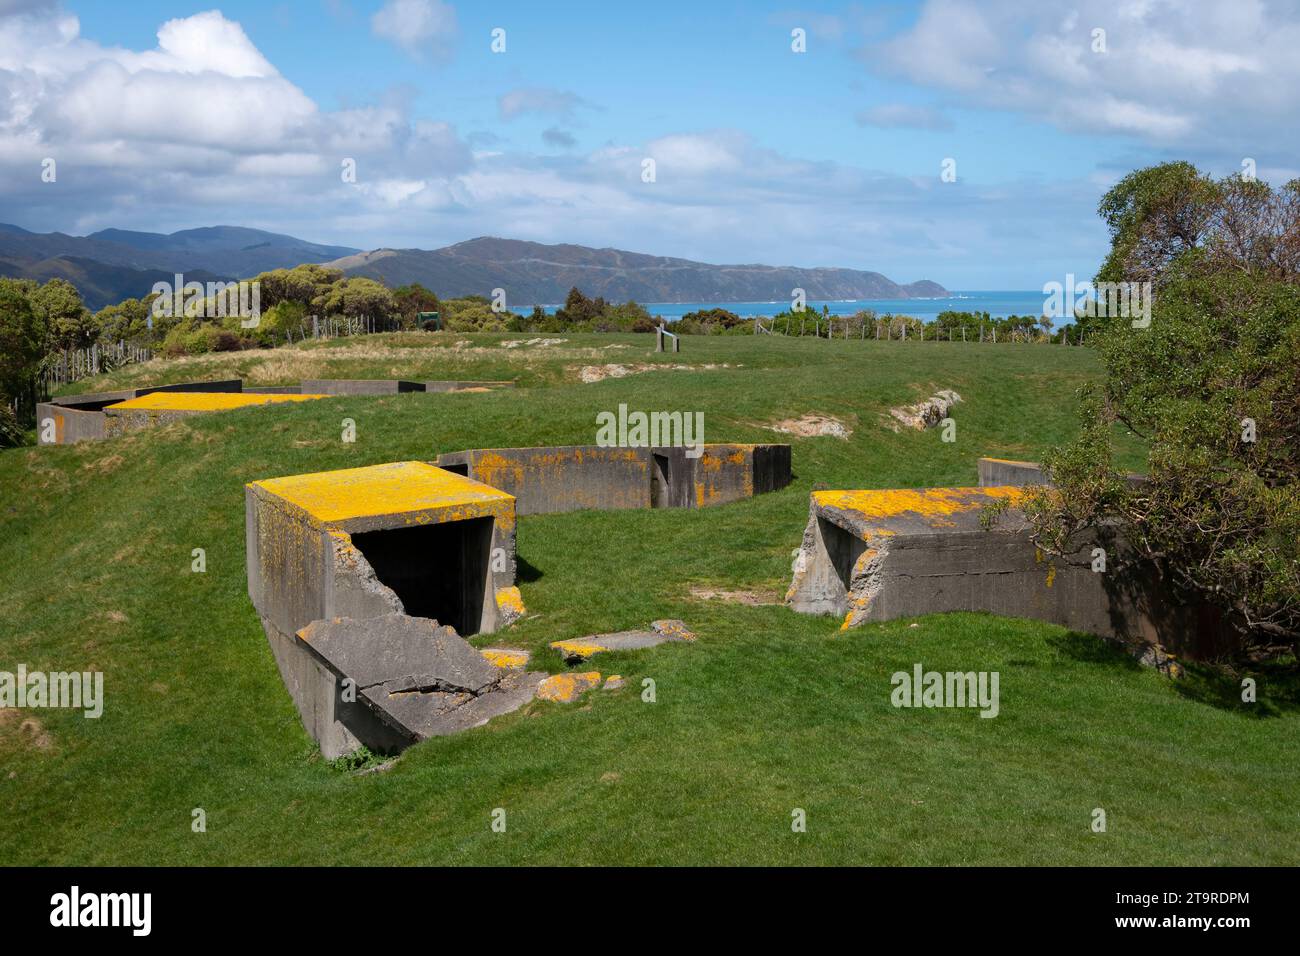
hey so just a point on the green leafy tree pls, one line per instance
(1212, 386)
(68, 323)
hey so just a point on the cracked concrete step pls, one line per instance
(419, 677)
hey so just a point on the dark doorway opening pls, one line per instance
(660, 470)
(461, 468)
(438, 571)
(843, 549)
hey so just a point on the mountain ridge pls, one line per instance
(112, 264)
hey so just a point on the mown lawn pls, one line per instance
(769, 711)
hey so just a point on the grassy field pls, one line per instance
(767, 712)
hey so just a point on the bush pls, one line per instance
(1212, 386)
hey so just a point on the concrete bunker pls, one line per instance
(339, 566)
(877, 555)
(99, 415)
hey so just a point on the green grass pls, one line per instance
(767, 712)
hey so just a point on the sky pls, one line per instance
(420, 123)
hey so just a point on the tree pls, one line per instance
(127, 321)
(1212, 385)
(68, 323)
(22, 345)
(355, 296)
(411, 300)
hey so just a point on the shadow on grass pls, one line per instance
(1090, 649)
(1277, 683)
(526, 572)
(1277, 687)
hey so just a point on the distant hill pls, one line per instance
(534, 273)
(98, 283)
(113, 264)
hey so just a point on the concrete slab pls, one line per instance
(202, 401)
(566, 688)
(417, 679)
(506, 656)
(661, 632)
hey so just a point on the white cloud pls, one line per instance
(420, 27)
(203, 119)
(146, 139)
(1210, 77)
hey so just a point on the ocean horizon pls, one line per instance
(998, 304)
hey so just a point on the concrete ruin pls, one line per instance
(573, 477)
(99, 415)
(374, 575)
(883, 554)
(81, 417)
(161, 408)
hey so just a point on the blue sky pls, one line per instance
(165, 116)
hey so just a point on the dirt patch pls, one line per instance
(598, 373)
(104, 465)
(812, 426)
(23, 733)
(734, 596)
(537, 343)
(925, 414)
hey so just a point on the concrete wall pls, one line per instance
(462, 386)
(998, 472)
(725, 473)
(358, 386)
(573, 477)
(560, 478)
(70, 424)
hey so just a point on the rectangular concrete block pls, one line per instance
(560, 478)
(1002, 472)
(359, 386)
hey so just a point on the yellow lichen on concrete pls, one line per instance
(203, 401)
(391, 489)
(566, 688)
(509, 599)
(579, 647)
(505, 657)
(927, 502)
(674, 629)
